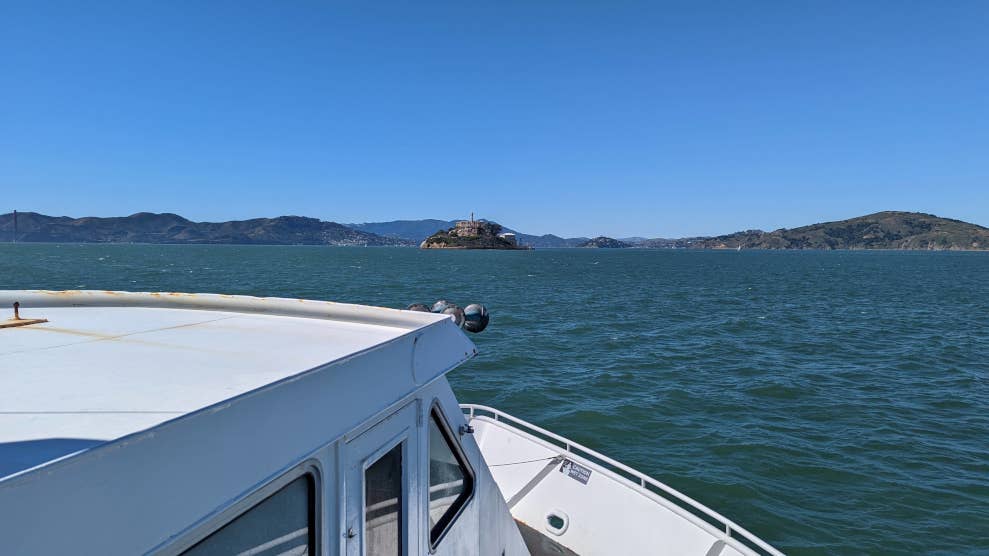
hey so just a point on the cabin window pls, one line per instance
(451, 480)
(283, 523)
(383, 502)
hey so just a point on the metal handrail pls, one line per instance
(730, 527)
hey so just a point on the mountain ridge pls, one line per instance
(147, 227)
(881, 230)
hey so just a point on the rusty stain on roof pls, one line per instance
(16, 320)
(13, 323)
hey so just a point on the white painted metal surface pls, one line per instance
(618, 511)
(175, 413)
(109, 364)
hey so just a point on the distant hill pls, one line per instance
(549, 241)
(145, 227)
(669, 243)
(882, 230)
(411, 230)
(602, 242)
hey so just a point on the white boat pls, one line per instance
(192, 424)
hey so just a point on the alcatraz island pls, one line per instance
(473, 234)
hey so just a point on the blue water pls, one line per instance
(830, 402)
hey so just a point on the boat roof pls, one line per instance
(108, 364)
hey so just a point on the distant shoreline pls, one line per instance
(889, 230)
(576, 249)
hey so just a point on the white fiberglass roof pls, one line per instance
(107, 364)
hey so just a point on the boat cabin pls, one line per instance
(204, 424)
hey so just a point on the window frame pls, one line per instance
(404, 506)
(446, 522)
(211, 524)
(399, 424)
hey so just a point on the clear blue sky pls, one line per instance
(575, 118)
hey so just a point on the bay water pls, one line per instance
(830, 402)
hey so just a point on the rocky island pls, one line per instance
(602, 242)
(472, 234)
